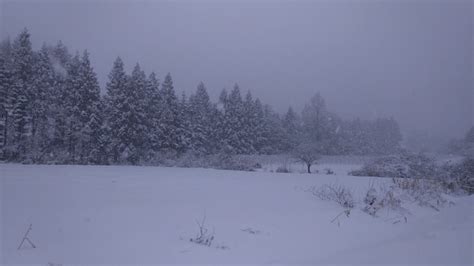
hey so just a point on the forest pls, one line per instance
(53, 110)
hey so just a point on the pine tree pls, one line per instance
(201, 116)
(62, 57)
(232, 120)
(20, 119)
(40, 104)
(115, 105)
(261, 136)
(137, 125)
(5, 107)
(185, 131)
(250, 122)
(73, 102)
(273, 131)
(22, 54)
(170, 126)
(292, 127)
(60, 60)
(97, 153)
(22, 63)
(153, 112)
(6, 49)
(469, 138)
(89, 106)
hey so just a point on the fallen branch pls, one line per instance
(25, 238)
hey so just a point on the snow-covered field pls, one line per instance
(136, 215)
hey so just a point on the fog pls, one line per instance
(408, 59)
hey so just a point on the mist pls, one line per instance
(408, 59)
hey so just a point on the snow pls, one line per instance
(137, 215)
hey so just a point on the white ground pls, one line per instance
(134, 215)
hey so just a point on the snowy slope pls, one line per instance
(131, 215)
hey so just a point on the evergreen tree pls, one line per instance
(260, 131)
(292, 126)
(40, 104)
(137, 125)
(249, 124)
(72, 98)
(90, 110)
(170, 126)
(62, 57)
(234, 133)
(184, 116)
(20, 119)
(201, 117)
(97, 153)
(5, 100)
(273, 132)
(115, 105)
(6, 49)
(60, 60)
(153, 112)
(469, 138)
(22, 55)
(22, 63)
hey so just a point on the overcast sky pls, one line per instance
(411, 59)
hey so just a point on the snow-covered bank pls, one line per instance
(130, 215)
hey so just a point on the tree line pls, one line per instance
(52, 110)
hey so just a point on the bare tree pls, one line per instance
(307, 154)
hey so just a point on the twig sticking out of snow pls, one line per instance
(346, 212)
(251, 231)
(25, 238)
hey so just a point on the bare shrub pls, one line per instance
(282, 169)
(204, 237)
(336, 193)
(329, 171)
(402, 165)
(232, 162)
(460, 176)
(375, 200)
(426, 192)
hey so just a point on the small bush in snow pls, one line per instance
(282, 169)
(329, 171)
(336, 193)
(426, 192)
(460, 176)
(403, 165)
(228, 162)
(376, 200)
(217, 161)
(204, 237)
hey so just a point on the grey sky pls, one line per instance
(412, 59)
